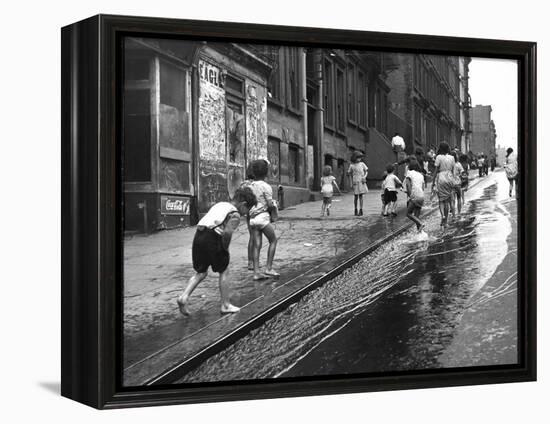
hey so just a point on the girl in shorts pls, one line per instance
(260, 220)
(328, 182)
(211, 246)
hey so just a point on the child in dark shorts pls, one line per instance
(211, 246)
(389, 189)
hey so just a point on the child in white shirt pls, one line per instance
(389, 188)
(414, 185)
(328, 182)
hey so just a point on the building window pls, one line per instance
(417, 124)
(376, 108)
(293, 164)
(352, 90)
(362, 99)
(340, 90)
(174, 128)
(137, 118)
(273, 155)
(275, 83)
(328, 94)
(293, 78)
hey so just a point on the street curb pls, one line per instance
(178, 371)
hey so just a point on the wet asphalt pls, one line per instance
(446, 300)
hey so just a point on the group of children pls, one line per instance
(210, 248)
(254, 199)
(414, 185)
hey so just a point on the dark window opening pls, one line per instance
(172, 86)
(293, 78)
(352, 90)
(293, 164)
(234, 85)
(328, 98)
(137, 135)
(340, 90)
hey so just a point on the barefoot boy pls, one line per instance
(211, 245)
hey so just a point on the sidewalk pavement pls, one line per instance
(158, 266)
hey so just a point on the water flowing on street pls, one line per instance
(400, 308)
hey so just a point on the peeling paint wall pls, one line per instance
(212, 145)
(229, 136)
(256, 121)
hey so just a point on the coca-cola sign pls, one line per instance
(170, 205)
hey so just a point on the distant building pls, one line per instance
(323, 105)
(483, 131)
(465, 103)
(429, 94)
(500, 155)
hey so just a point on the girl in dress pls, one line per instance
(328, 182)
(511, 169)
(357, 174)
(444, 181)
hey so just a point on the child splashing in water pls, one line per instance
(211, 246)
(414, 185)
(328, 182)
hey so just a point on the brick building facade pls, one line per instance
(430, 94)
(483, 131)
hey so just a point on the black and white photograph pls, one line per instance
(294, 211)
(276, 212)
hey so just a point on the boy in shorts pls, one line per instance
(211, 246)
(389, 189)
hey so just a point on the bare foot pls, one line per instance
(182, 304)
(229, 309)
(272, 273)
(258, 277)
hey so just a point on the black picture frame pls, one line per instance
(91, 214)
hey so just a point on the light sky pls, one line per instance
(494, 82)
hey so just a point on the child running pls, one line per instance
(414, 185)
(211, 246)
(260, 220)
(328, 182)
(389, 187)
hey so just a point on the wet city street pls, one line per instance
(446, 301)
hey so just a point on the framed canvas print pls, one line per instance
(256, 211)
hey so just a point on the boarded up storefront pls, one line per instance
(232, 121)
